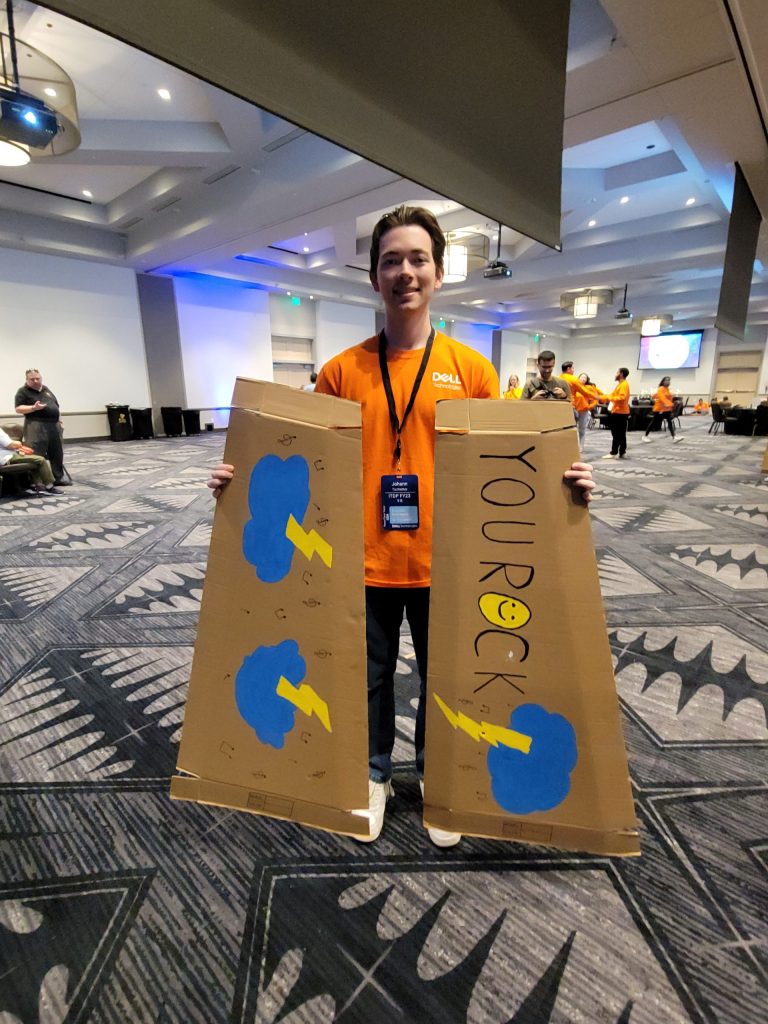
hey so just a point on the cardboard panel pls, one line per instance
(524, 737)
(276, 719)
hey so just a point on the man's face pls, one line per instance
(618, 375)
(35, 381)
(546, 366)
(406, 276)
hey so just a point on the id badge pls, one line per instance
(400, 502)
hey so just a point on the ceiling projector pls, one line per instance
(497, 269)
(623, 314)
(25, 119)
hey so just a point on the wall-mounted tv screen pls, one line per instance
(680, 351)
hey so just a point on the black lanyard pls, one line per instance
(397, 424)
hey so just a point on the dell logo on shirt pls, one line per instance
(446, 378)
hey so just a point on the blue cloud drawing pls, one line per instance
(278, 488)
(268, 714)
(540, 780)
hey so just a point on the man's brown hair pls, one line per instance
(402, 217)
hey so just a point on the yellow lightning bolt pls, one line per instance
(306, 700)
(493, 734)
(308, 543)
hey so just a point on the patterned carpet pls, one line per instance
(117, 905)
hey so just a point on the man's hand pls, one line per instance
(538, 395)
(559, 393)
(220, 477)
(22, 449)
(579, 478)
(39, 405)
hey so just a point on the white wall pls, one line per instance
(601, 357)
(79, 323)
(289, 321)
(338, 327)
(516, 346)
(476, 336)
(224, 330)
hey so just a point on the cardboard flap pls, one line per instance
(293, 404)
(499, 415)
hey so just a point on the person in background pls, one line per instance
(582, 398)
(584, 401)
(398, 377)
(663, 404)
(543, 385)
(701, 407)
(311, 385)
(13, 453)
(42, 423)
(514, 389)
(619, 418)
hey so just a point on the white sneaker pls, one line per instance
(378, 794)
(607, 456)
(439, 836)
(647, 440)
(676, 439)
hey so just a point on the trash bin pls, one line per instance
(191, 421)
(119, 422)
(172, 423)
(142, 423)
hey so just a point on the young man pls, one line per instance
(397, 378)
(544, 385)
(619, 419)
(42, 423)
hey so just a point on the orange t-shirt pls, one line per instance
(620, 398)
(663, 400)
(403, 558)
(580, 393)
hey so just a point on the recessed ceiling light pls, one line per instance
(289, 293)
(592, 223)
(49, 91)
(691, 201)
(495, 238)
(311, 296)
(306, 248)
(87, 193)
(306, 233)
(164, 94)
(624, 199)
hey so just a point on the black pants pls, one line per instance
(618, 424)
(655, 423)
(44, 438)
(384, 610)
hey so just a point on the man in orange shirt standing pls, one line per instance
(619, 399)
(398, 377)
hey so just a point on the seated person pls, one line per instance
(701, 407)
(15, 453)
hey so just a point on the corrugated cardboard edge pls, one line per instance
(272, 805)
(294, 404)
(563, 837)
(498, 416)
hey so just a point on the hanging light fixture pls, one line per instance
(38, 109)
(456, 261)
(584, 307)
(650, 326)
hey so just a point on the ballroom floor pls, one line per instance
(119, 905)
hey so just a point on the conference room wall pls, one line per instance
(224, 330)
(339, 326)
(476, 336)
(78, 322)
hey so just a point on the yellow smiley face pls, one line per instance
(503, 610)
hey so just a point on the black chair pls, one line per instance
(718, 418)
(677, 411)
(760, 428)
(599, 417)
